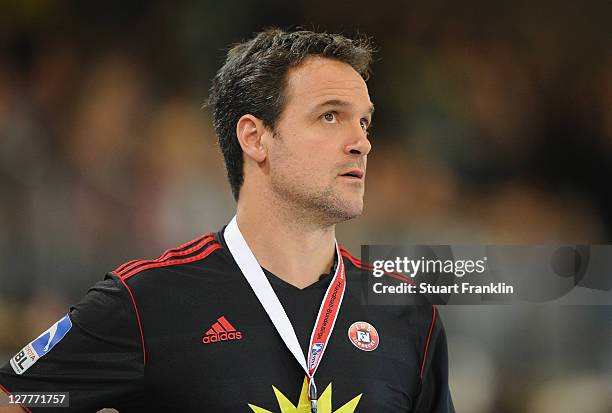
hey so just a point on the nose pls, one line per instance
(359, 144)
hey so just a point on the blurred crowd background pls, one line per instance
(493, 126)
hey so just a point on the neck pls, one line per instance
(294, 249)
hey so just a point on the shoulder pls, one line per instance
(351, 261)
(197, 256)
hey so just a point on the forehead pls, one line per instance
(320, 79)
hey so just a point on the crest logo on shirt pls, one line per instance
(364, 336)
(41, 345)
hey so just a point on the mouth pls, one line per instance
(354, 174)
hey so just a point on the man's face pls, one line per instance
(318, 155)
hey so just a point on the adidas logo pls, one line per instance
(221, 330)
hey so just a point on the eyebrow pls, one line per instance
(343, 103)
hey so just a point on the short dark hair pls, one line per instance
(252, 81)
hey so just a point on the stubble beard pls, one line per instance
(319, 207)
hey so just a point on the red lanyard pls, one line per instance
(326, 319)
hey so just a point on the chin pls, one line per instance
(352, 210)
(335, 208)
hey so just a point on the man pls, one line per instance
(264, 315)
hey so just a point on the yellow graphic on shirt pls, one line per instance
(324, 404)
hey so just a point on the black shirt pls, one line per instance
(186, 332)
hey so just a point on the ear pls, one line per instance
(249, 131)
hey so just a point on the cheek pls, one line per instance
(310, 153)
(303, 149)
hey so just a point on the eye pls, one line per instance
(365, 125)
(329, 117)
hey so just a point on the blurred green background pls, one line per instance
(493, 126)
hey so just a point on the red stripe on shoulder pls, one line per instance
(431, 327)
(174, 260)
(187, 245)
(167, 255)
(123, 266)
(356, 261)
(182, 250)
